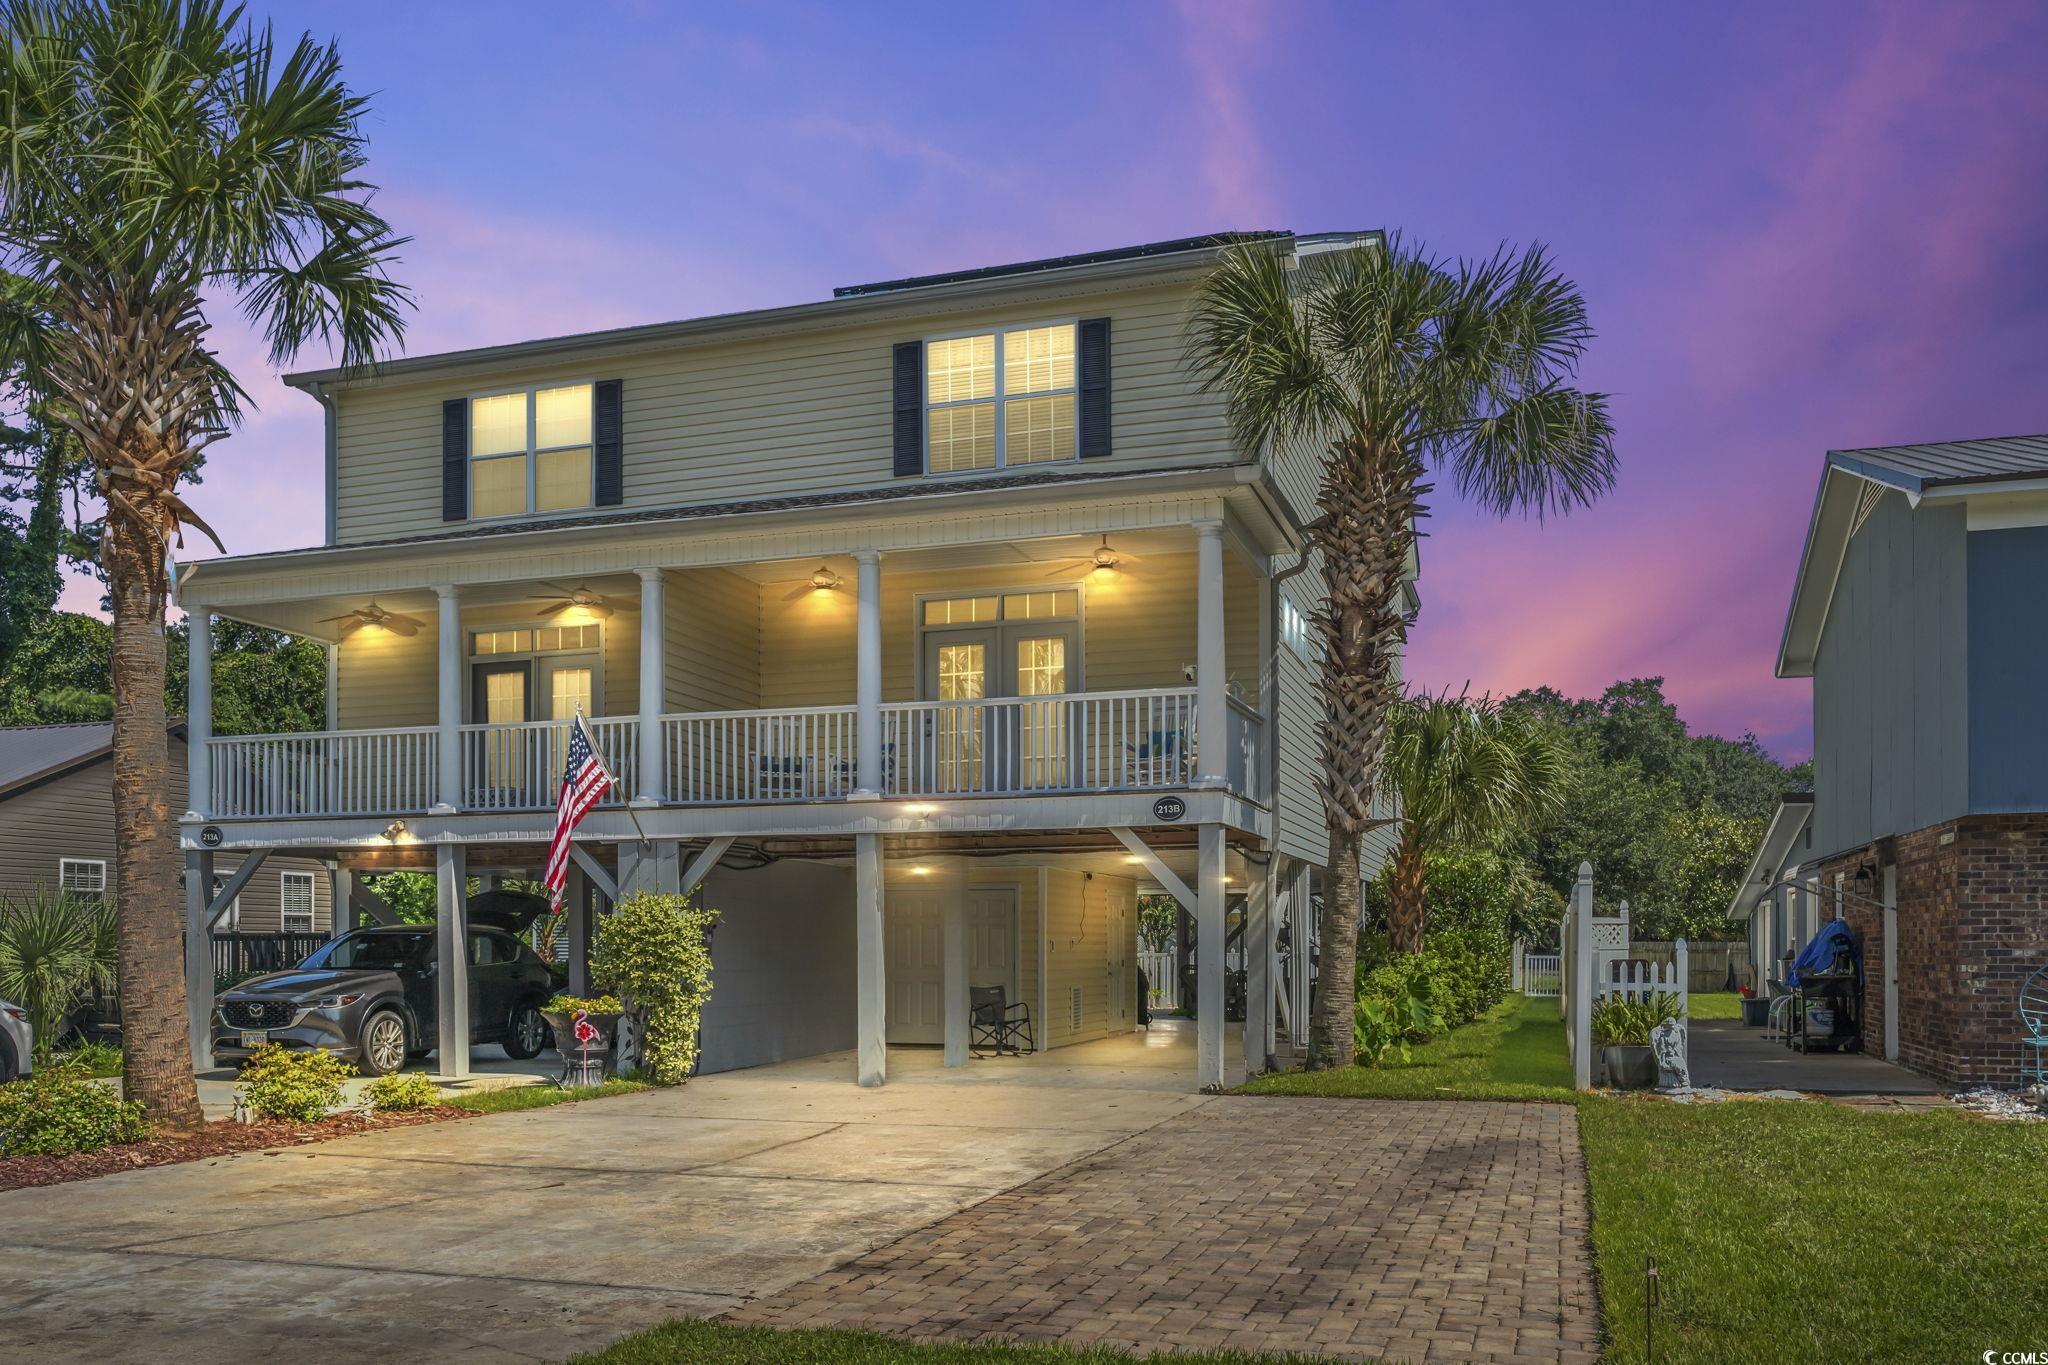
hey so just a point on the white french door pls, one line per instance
(1029, 745)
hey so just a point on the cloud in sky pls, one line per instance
(1797, 228)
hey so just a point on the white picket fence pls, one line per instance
(1162, 982)
(1597, 963)
(1543, 974)
(1636, 978)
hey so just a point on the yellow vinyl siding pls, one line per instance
(1138, 629)
(788, 415)
(384, 680)
(713, 638)
(1077, 952)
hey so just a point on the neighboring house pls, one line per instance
(57, 830)
(926, 626)
(1780, 903)
(1921, 614)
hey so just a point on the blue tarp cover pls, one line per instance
(1834, 940)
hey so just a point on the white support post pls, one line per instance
(953, 905)
(199, 957)
(1584, 985)
(1258, 962)
(576, 926)
(653, 865)
(199, 716)
(1517, 979)
(1301, 932)
(871, 1011)
(653, 677)
(451, 961)
(1209, 960)
(1212, 719)
(341, 900)
(449, 715)
(869, 779)
(1683, 971)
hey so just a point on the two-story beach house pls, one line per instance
(1920, 612)
(923, 628)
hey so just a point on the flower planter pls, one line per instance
(1756, 1011)
(563, 1025)
(1630, 1066)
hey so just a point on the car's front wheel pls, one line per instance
(383, 1044)
(528, 1033)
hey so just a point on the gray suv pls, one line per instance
(370, 995)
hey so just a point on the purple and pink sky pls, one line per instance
(1798, 227)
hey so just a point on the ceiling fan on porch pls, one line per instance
(581, 597)
(373, 615)
(1105, 559)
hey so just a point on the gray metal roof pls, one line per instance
(30, 751)
(1948, 462)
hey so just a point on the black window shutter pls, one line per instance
(1094, 387)
(611, 444)
(455, 460)
(909, 403)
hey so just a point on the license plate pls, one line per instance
(256, 1038)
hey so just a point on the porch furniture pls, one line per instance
(2034, 1015)
(997, 1026)
(1161, 754)
(1777, 1021)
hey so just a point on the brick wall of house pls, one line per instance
(1973, 923)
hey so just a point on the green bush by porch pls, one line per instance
(1514, 1051)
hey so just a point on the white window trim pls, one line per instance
(64, 887)
(285, 879)
(1000, 398)
(532, 454)
(1079, 620)
(534, 656)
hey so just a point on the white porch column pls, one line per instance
(868, 676)
(653, 677)
(199, 716)
(1212, 721)
(1258, 968)
(341, 900)
(1209, 959)
(451, 962)
(199, 957)
(449, 716)
(953, 890)
(871, 1016)
(576, 927)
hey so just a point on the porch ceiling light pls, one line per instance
(920, 871)
(824, 580)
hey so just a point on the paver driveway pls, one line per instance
(1363, 1229)
(1091, 1172)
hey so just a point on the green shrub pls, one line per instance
(60, 1109)
(654, 952)
(1618, 1020)
(1382, 1025)
(53, 950)
(281, 1083)
(569, 1004)
(401, 1092)
(94, 1058)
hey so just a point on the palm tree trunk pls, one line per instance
(1330, 1023)
(155, 1048)
(1406, 899)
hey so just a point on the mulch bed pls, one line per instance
(223, 1138)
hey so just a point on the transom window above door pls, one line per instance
(530, 451)
(1043, 605)
(1000, 398)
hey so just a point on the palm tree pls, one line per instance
(1383, 363)
(155, 158)
(1460, 772)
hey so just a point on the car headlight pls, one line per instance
(338, 1002)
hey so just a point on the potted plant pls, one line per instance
(1621, 1029)
(601, 1012)
(1755, 1009)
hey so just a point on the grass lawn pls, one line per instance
(510, 1098)
(1802, 1232)
(690, 1340)
(1713, 1005)
(1513, 1052)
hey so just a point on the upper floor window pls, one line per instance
(1294, 627)
(530, 451)
(999, 399)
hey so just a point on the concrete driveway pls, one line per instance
(542, 1234)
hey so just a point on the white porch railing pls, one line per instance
(1081, 741)
(802, 754)
(519, 767)
(1078, 742)
(339, 772)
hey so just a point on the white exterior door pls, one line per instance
(1891, 963)
(914, 944)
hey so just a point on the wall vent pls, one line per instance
(1074, 1010)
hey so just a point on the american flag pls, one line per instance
(584, 783)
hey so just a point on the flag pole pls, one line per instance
(613, 778)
